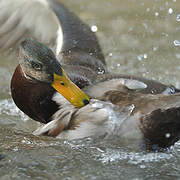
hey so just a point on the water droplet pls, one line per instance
(178, 17)
(131, 108)
(153, 91)
(145, 56)
(74, 41)
(130, 29)
(169, 90)
(167, 135)
(97, 104)
(165, 34)
(15, 148)
(156, 14)
(94, 28)
(100, 71)
(148, 9)
(140, 57)
(176, 42)
(142, 166)
(155, 48)
(170, 10)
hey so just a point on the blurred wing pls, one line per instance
(77, 34)
(24, 18)
(52, 24)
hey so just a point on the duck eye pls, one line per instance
(36, 66)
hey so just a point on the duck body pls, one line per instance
(34, 98)
(124, 106)
(153, 120)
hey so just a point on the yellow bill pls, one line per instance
(69, 90)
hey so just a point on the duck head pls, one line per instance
(36, 79)
(39, 63)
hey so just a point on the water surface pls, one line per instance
(138, 37)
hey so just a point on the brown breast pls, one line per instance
(34, 98)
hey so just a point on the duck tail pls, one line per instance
(161, 127)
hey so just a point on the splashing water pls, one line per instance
(178, 17)
(176, 42)
(112, 155)
(8, 107)
(115, 117)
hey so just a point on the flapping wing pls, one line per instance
(24, 18)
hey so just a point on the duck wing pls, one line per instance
(77, 35)
(22, 18)
(151, 120)
(52, 24)
(157, 116)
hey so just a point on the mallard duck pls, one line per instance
(53, 24)
(125, 106)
